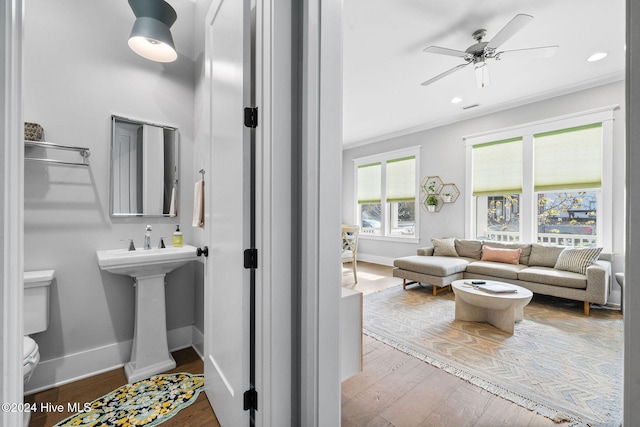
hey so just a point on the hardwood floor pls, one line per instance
(199, 414)
(395, 389)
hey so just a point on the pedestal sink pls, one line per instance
(150, 352)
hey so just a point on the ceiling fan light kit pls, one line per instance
(479, 52)
(482, 75)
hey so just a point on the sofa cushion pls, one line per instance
(469, 248)
(544, 255)
(432, 265)
(444, 247)
(524, 247)
(551, 276)
(495, 269)
(508, 256)
(577, 259)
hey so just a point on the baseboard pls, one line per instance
(376, 259)
(615, 297)
(180, 338)
(198, 342)
(73, 367)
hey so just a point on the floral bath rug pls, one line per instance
(146, 403)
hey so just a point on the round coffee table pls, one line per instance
(501, 310)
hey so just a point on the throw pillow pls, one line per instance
(469, 248)
(507, 256)
(444, 247)
(524, 247)
(544, 255)
(577, 259)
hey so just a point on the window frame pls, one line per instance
(528, 198)
(383, 158)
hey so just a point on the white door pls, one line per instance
(228, 226)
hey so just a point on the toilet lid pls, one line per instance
(29, 347)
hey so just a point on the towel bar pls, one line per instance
(84, 152)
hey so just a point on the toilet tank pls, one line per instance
(36, 300)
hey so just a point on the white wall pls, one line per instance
(78, 70)
(443, 154)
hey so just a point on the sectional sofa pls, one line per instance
(581, 274)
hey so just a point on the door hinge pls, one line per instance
(251, 117)
(251, 399)
(251, 258)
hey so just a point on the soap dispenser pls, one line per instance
(177, 237)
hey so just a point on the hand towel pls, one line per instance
(198, 205)
(172, 208)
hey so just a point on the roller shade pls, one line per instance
(370, 183)
(568, 159)
(401, 180)
(497, 167)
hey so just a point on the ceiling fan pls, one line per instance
(479, 52)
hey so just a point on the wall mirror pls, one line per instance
(144, 169)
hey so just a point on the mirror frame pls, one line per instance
(115, 119)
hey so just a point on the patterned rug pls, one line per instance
(558, 363)
(146, 403)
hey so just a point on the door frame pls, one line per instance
(12, 236)
(275, 179)
(320, 211)
(631, 387)
(298, 78)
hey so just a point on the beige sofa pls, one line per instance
(540, 268)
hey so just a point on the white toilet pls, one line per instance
(36, 319)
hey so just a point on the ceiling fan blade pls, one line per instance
(509, 30)
(532, 52)
(446, 73)
(445, 51)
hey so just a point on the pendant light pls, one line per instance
(150, 36)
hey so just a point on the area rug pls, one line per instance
(558, 363)
(145, 403)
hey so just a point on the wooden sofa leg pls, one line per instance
(436, 291)
(586, 308)
(406, 283)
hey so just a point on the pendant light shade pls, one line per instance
(150, 36)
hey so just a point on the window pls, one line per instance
(497, 184)
(386, 194)
(568, 218)
(544, 182)
(567, 182)
(498, 217)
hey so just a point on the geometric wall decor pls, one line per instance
(435, 193)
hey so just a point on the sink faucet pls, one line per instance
(147, 238)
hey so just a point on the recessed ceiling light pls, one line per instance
(456, 100)
(597, 56)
